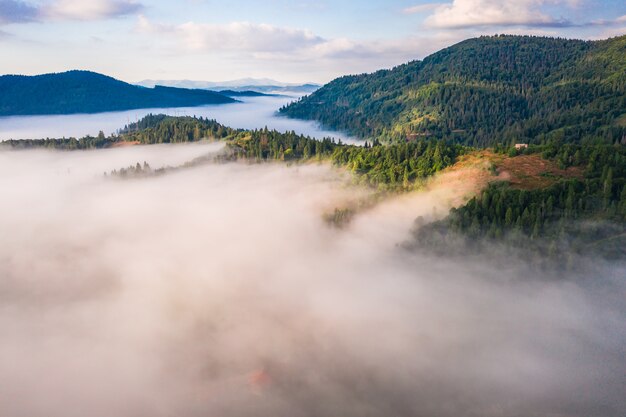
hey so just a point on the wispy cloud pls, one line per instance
(422, 8)
(609, 22)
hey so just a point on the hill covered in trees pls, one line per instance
(482, 91)
(390, 167)
(151, 129)
(89, 92)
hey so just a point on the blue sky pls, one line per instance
(293, 41)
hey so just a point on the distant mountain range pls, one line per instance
(261, 85)
(90, 92)
(485, 90)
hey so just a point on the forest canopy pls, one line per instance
(483, 91)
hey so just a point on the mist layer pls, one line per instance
(220, 290)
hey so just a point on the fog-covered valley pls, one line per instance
(249, 113)
(220, 290)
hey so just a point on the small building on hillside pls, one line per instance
(521, 146)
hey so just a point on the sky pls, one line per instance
(291, 41)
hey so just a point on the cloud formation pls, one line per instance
(235, 36)
(219, 290)
(485, 13)
(292, 46)
(609, 22)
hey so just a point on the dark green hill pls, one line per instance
(89, 92)
(485, 90)
(244, 93)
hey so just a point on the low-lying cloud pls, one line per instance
(219, 290)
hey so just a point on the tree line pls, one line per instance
(396, 166)
(151, 129)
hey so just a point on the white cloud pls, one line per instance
(265, 50)
(421, 8)
(475, 13)
(289, 45)
(235, 36)
(618, 21)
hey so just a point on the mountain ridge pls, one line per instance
(79, 91)
(262, 85)
(482, 91)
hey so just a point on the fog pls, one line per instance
(251, 113)
(219, 290)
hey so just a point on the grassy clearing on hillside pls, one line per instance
(532, 172)
(523, 172)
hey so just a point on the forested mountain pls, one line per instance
(89, 92)
(244, 93)
(483, 91)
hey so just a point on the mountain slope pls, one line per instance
(89, 92)
(551, 203)
(485, 90)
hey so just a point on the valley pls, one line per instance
(443, 238)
